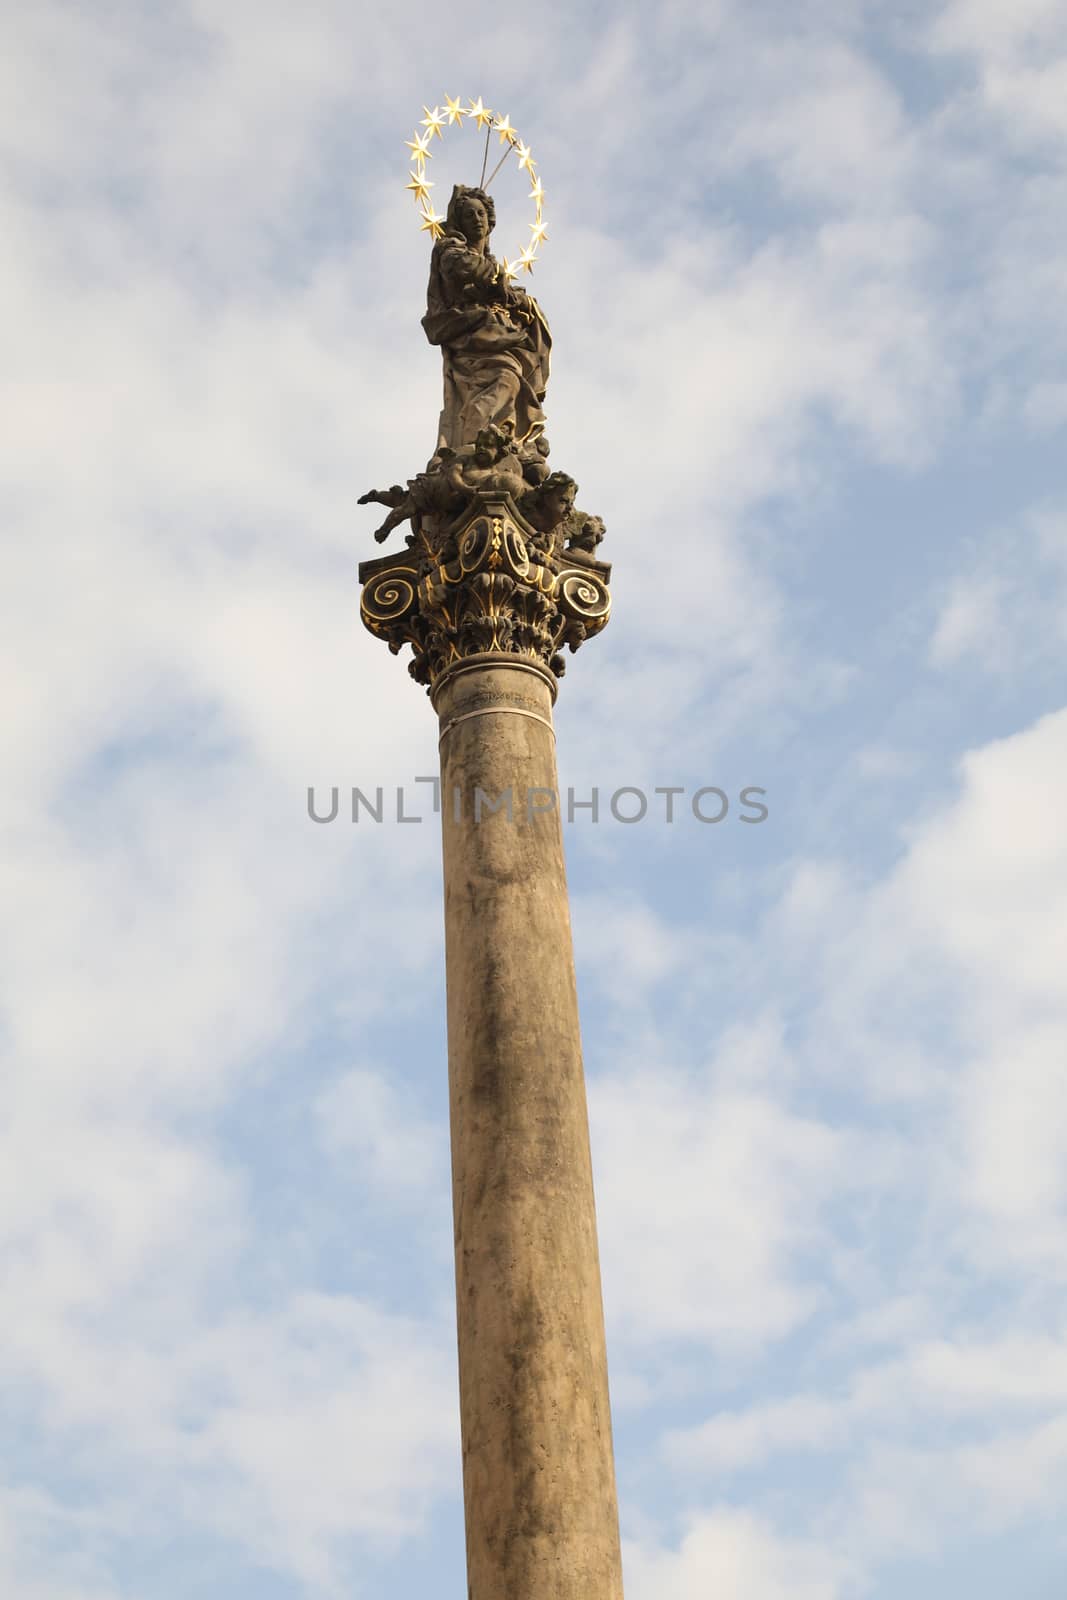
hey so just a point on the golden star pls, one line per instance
(433, 122)
(420, 185)
(538, 230)
(454, 111)
(431, 223)
(506, 131)
(479, 113)
(538, 193)
(510, 269)
(420, 148)
(527, 258)
(525, 158)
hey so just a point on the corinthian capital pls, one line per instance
(489, 580)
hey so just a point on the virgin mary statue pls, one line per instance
(494, 340)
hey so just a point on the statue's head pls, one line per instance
(557, 495)
(472, 213)
(492, 443)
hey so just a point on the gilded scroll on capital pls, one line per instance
(491, 455)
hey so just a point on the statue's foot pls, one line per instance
(381, 534)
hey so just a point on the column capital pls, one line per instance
(486, 581)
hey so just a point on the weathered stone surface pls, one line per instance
(539, 1484)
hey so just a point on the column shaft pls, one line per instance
(538, 1471)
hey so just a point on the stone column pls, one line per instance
(488, 602)
(538, 1472)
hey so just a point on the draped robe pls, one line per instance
(494, 345)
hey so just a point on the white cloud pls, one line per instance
(832, 128)
(942, 1388)
(931, 1445)
(364, 1118)
(739, 1439)
(334, 1421)
(982, 1380)
(971, 622)
(1046, 405)
(883, 763)
(50, 1550)
(289, 1426)
(913, 1501)
(734, 1556)
(992, 27)
(986, 880)
(1008, 611)
(706, 1197)
(1021, 53)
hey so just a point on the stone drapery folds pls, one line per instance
(493, 337)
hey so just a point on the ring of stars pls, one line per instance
(419, 183)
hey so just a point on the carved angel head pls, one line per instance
(554, 501)
(493, 442)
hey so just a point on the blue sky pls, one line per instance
(807, 283)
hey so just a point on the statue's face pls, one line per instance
(474, 219)
(486, 449)
(559, 503)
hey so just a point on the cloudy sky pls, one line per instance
(807, 281)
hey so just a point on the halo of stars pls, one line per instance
(419, 184)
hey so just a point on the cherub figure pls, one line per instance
(584, 532)
(491, 462)
(549, 505)
(401, 501)
(534, 454)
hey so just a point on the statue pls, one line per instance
(451, 477)
(491, 462)
(494, 339)
(535, 460)
(549, 505)
(498, 557)
(583, 533)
